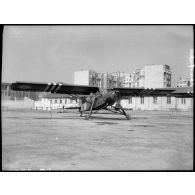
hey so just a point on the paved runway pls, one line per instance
(152, 140)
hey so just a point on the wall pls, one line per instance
(17, 104)
(154, 76)
(46, 104)
(81, 77)
(160, 105)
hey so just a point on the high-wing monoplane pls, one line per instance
(91, 98)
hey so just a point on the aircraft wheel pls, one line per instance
(87, 117)
(128, 116)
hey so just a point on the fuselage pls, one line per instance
(101, 100)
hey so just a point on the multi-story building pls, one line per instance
(142, 78)
(191, 66)
(138, 78)
(86, 77)
(151, 76)
(183, 82)
(101, 80)
(157, 76)
(118, 78)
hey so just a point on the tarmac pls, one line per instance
(151, 140)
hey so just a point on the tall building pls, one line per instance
(191, 66)
(86, 77)
(139, 78)
(183, 82)
(92, 78)
(157, 76)
(151, 76)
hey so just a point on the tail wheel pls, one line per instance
(87, 117)
(128, 116)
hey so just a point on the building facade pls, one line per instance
(180, 99)
(86, 77)
(55, 102)
(160, 103)
(101, 80)
(151, 76)
(191, 66)
(183, 82)
(157, 76)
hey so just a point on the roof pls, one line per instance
(183, 91)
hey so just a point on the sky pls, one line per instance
(53, 53)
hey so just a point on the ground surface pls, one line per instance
(34, 140)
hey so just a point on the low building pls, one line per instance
(180, 99)
(52, 101)
(157, 76)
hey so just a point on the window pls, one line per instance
(142, 100)
(60, 101)
(130, 100)
(71, 101)
(183, 100)
(154, 100)
(56, 101)
(168, 100)
(65, 101)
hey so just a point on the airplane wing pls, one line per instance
(124, 91)
(54, 88)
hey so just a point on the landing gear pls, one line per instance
(81, 112)
(90, 112)
(128, 116)
(119, 110)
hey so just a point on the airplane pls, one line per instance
(91, 98)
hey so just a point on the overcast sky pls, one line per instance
(53, 53)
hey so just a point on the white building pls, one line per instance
(191, 66)
(183, 82)
(86, 77)
(181, 99)
(55, 101)
(157, 76)
(151, 76)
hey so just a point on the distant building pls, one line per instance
(8, 94)
(151, 76)
(157, 76)
(118, 79)
(86, 77)
(55, 101)
(191, 66)
(183, 82)
(180, 99)
(92, 78)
